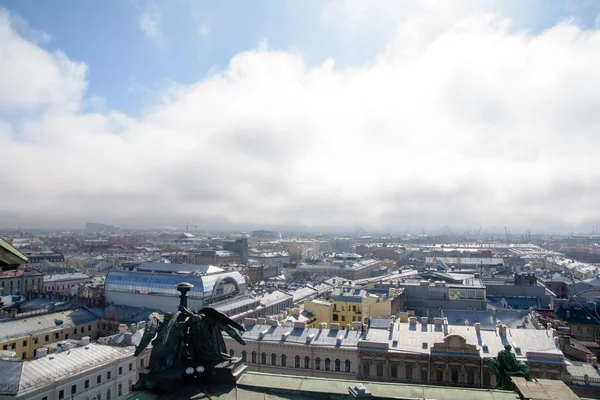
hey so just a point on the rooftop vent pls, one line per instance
(285, 335)
(310, 338)
(263, 333)
(338, 340)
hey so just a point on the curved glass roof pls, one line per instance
(164, 284)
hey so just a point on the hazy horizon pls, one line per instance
(384, 115)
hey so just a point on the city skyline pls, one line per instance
(326, 116)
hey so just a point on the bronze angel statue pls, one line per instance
(188, 338)
(506, 366)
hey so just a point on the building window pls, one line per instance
(454, 375)
(273, 359)
(348, 365)
(317, 363)
(13, 346)
(470, 376)
(5, 347)
(56, 335)
(244, 355)
(120, 370)
(307, 362)
(297, 362)
(141, 363)
(108, 375)
(24, 355)
(108, 394)
(439, 375)
(338, 365)
(47, 338)
(343, 318)
(75, 331)
(35, 340)
(283, 360)
(409, 371)
(89, 328)
(379, 370)
(394, 371)
(24, 343)
(327, 364)
(486, 378)
(335, 317)
(45, 398)
(129, 385)
(354, 308)
(253, 357)
(120, 390)
(131, 366)
(366, 369)
(61, 394)
(263, 358)
(86, 384)
(66, 335)
(99, 397)
(99, 379)
(73, 389)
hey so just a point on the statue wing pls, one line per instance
(224, 323)
(152, 327)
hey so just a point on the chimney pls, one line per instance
(322, 325)
(334, 327)
(445, 326)
(300, 324)
(261, 321)
(122, 328)
(412, 320)
(359, 391)
(127, 338)
(41, 352)
(262, 333)
(477, 327)
(133, 328)
(310, 338)
(273, 322)
(249, 321)
(424, 320)
(391, 327)
(348, 326)
(285, 335)
(338, 340)
(438, 321)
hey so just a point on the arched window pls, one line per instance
(273, 359)
(366, 369)
(379, 370)
(394, 371)
(231, 352)
(409, 371)
(297, 362)
(244, 355)
(338, 365)
(327, 364)
(283, 360)
(263, 358)
(307, 362)
(253, 357)
(348, 365)
(486, 378)
(317, 363)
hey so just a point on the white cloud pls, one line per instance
(466, 125)
(150, 22)
(31, 77)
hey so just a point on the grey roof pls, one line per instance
(510, 318)
(64, 277)
(18, 377)
(16, 328)
(170, 267)
(322, 338)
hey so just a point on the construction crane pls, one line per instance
(507, 239)
(187, 226)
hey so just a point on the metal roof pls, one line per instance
(20, 376)
(297, 336)
(17, 328)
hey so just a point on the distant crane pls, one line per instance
(187, 226)
(507, 238)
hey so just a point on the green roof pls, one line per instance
(9, 255)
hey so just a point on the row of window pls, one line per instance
(305, 363)
(438, 373)
(36, 340)
(86, 385)
(354, 308)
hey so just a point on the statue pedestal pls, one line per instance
(225, 373)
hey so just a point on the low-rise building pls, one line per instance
(91, 371)
(347, 269)
(21, 281)
(26, 335)
(70, 283)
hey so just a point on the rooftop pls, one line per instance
(20, 376)
(16, 328)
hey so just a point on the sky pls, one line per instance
(312, 115)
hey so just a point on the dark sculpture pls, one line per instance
(188, 339)
(506, 366)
